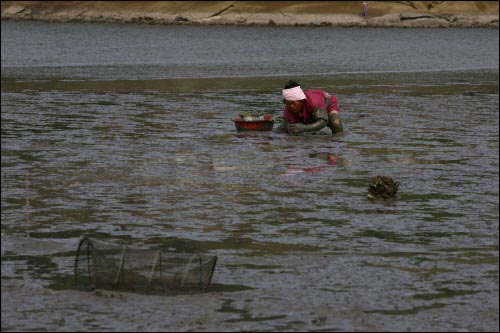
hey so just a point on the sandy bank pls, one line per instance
(429, 14)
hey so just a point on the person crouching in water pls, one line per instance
(309, 111)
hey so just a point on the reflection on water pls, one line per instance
(159, 164)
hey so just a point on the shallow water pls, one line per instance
(124, 133)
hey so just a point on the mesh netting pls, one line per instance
(101, 266)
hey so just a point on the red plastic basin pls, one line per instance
(265, 124)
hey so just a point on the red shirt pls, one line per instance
(314, 99)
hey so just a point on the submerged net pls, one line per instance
(102, 266)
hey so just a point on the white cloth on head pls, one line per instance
(293, 94)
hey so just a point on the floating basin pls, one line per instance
(252, 123)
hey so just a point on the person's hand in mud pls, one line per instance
(295, 129)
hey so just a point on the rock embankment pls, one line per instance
(429, 14)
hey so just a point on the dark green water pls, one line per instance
(94, 141)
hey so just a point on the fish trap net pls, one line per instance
(102, 266)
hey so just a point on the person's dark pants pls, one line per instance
(335, 123)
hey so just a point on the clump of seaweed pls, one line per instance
(382, 187)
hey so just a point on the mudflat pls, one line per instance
(431, 14)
